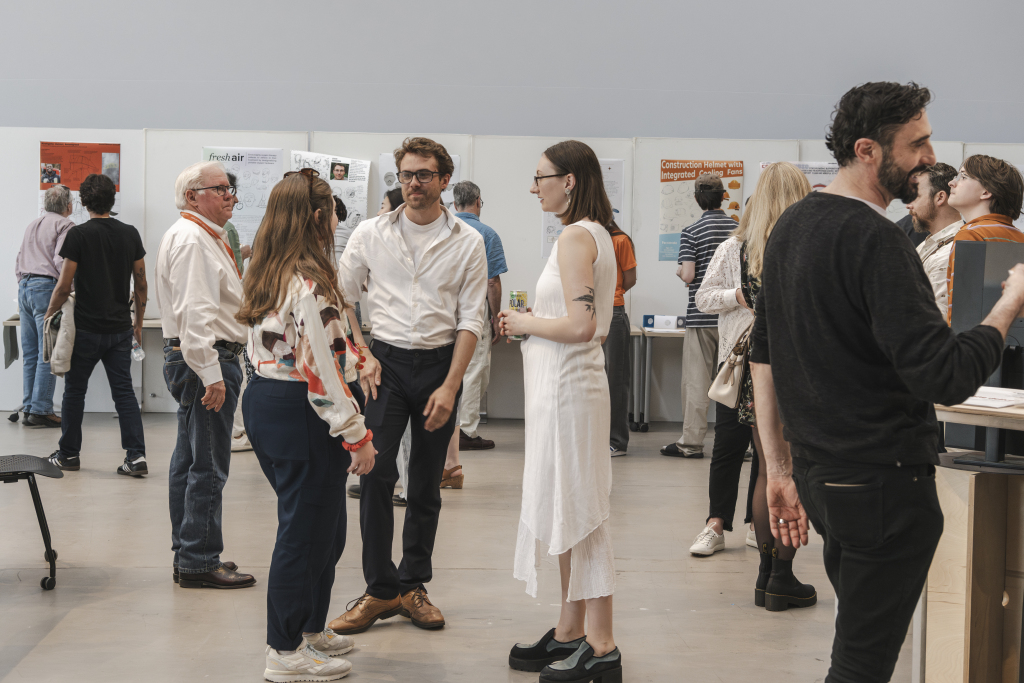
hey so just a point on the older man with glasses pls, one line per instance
(199, 291)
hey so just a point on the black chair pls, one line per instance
(15, 467)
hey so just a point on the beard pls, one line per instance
(430, 196)
(897, 182)
(920, 225)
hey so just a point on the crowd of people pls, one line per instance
(840, 326)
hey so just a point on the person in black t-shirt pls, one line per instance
(102, 257)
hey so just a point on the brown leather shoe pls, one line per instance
(221, 577)
(227, 565)
(477, 443)
(417, 606)
(50, 420)
(363, 612)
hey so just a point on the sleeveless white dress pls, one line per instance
(567, 476)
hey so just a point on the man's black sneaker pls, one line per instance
(64, 462)
(134, 468)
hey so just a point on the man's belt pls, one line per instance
(233, 347)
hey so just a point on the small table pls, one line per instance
(650, 334)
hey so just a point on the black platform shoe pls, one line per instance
(583, 667)
(784, 590)
(763, 573)
(545, 651)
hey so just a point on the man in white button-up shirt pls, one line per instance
(425, 271)
(933, 215)
(199, 291)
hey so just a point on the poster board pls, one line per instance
(256, 171)
(678, 206)
(387, 177)
(349, 180)
(613, 173)
(69, 163)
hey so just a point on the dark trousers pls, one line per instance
(881, 526)
(307, 468)
(408, 378)
(618, 369)
(731, 442)
(114, 351)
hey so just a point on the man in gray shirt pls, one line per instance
(38, 267)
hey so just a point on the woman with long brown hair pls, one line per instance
(302, 419)
(567, 474)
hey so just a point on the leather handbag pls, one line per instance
(728, 385)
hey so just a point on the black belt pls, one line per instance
(233, 347)
(381, 348)
(29, 276)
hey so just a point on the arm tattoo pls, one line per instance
(588, 301)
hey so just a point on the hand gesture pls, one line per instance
(362, 459)
(439, 408)
(786, 516)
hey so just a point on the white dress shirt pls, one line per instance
(199, 292)
(417, 305)
(934, 253)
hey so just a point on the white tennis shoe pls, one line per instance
(305, 664)
(707, 543)
(330, 643)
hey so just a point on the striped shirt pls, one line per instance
(697, 244)
(991, 227)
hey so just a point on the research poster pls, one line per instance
(68, 163)
(257, 170)
(350, 181)
(819, 173)
(387, 174)
(679, 207)
(614, 174)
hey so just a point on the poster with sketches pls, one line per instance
(350, 181)
(614, 173)
(679, 207)
(387, 175)
(819, 173)
(257, 170)
(68, 163)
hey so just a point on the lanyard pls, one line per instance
(211, 233)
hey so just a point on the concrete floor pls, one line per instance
(116, 615)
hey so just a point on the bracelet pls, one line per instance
(359, 444)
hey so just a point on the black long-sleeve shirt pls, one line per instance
(859, 352)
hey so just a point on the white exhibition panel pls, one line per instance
(19, 192)
(168, 153)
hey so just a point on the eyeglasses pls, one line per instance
(219, 190)
(424, 176)
(538, 178)
(962, 175)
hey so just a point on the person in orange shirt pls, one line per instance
(616, 345)
(988, 193)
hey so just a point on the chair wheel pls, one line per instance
(645, 427)
(634, 426)
(46, 555)
(47, 583)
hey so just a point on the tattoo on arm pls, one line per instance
(588, 301)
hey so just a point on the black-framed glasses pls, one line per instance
(219, 190)
(424, 176)
(538, 178)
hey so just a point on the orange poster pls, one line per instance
(68, 163)
(679, 207)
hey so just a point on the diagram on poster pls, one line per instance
(350, 181)
(819, 173)
(387, 174)
(68, 164)
(679, 207)
(257, 170)
(614, 173)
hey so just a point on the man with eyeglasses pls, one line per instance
(199, 291)
(425, 272)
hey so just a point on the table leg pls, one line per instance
(644, 425)
(636, 384)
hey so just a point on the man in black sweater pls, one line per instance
(849, 353)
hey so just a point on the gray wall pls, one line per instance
(605, 68)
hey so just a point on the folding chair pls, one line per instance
(15, 467)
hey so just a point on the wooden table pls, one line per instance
(651, 334)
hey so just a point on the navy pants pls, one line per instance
(307, 469)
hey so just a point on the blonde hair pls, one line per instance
(781, 185)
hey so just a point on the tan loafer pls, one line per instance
(417, 606)
(364, 613)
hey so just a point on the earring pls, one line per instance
(568, 197)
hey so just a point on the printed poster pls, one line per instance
(387, 174)
(679, 207)
(350, 181)
(614, 173)
(68, 163)
(257, 170)
(819, 173)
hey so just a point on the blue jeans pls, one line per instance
(199, 464)
(33, 299)
(114, 350)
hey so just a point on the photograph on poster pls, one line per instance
(339, 171)
(50, 173)
(679, 207)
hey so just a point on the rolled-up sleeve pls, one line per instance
(352, 270)
(473, 296)
(195, 300)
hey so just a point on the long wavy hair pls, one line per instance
(780, 186)
(291, 241)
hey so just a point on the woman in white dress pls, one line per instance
(567, 475)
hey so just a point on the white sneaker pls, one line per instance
(707, 543)
(240, 443)
(304, 665)
(616, 452)
(330, 643)
(751, 538)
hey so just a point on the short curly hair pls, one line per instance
(425, 147)
(97, 193)
(874, 111)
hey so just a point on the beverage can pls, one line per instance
(517, 302)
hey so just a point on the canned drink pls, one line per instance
(517, 302)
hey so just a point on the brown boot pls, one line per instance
(417, 606)
(364, 614)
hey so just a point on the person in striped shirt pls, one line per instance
(697, 244)
(988, 193)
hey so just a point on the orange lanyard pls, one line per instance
(211, 233)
